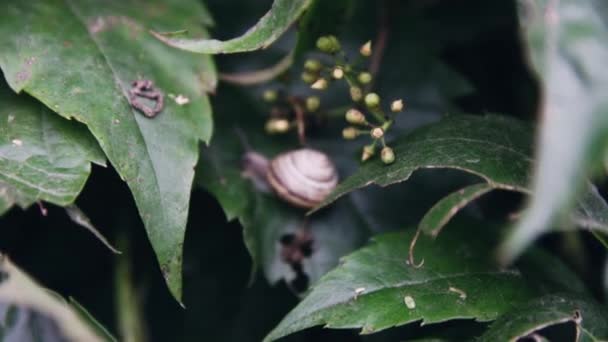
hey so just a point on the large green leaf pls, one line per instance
(569, 44)
(85, 73)
(28, 310)
(374, 289)
(493, 147)
(42, 156)
(270, 27)
(497, 149)
(549, 310)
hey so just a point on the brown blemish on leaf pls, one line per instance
(25, 73)
(101, 24)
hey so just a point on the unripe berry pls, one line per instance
(312, 65)
(350, 133)
(366, 49)
(368, 152)
(365, 77)
(372, 100)
(308, 77)
(337, 73)
(320, 84)
(355, 117)
(270, 95)
(377, 132)
(397, 106)
(387, 155)
(335, 43)
(328, 44)
(275, 126)
(313, 103)
(356, 94)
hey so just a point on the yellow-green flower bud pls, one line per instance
(308, 77)
(276, 126)
(355, 117)
(366, 49)
(313, 103)
(350, 133)
(387, 155)
(320, 84)
(372, 100)
(368, 152)
(356, 94)
(337, 73)
(270, 95)
(312, 65)
(328, 44)
(365, 77)
(377, 132)
(397, 106)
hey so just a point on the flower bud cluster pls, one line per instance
(365, 118)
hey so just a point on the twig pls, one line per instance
(300, 120)
(411, 260)
(381, 39)
(259, 76)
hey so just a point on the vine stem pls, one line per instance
(411, 259)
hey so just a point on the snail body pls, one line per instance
(302, 177)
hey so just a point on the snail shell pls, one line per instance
(302, 177)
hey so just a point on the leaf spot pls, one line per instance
(359, 291)
(409, 302)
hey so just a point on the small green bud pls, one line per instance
(308, 77)
(313, 103)
(328, 44)
(356, 94)
(397, 106)
(377, 132)
(355, 117)
(350, 133)
(372, 100)
(276, 126)
(320, 84)
(335, 43)
(270, 95)
(337, 73)
(387, 155)
(366, 49)
(312, 65)
(365, 77)
(368, 152)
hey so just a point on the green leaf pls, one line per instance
(270, 27)
(374, 289)
(85, 73)
(495, 148)
(442, 212)
(42, 156)
(29, 310)
(88, 317)
(265, 218)
(569, 44)
(549, 310)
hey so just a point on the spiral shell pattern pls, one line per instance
(303, 177)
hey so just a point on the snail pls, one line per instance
(302, 177)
